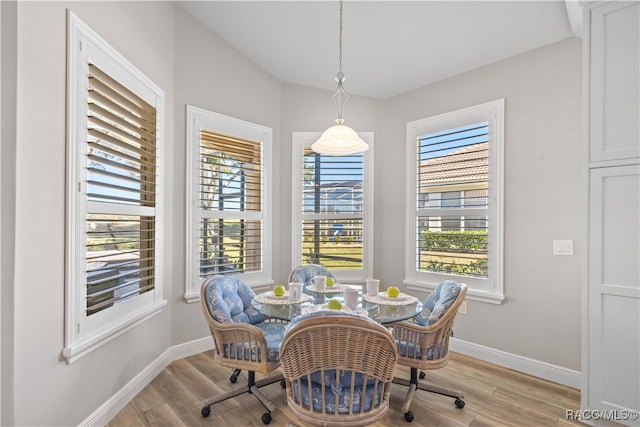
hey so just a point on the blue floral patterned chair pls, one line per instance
(304, 274)
(423, 343)
(242, 337)
(338, 368)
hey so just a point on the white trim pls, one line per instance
(197, 118)
(537, 368)
(108, 410)
(472, 294)
(300, 140)
(491, 289)
(85, 333)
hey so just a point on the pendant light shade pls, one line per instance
(340, 140)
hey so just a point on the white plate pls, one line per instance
(337, 288)
(359, 310)
(400, 297)
(270, 294)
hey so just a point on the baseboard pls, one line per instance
(118, 401)
(547, 371)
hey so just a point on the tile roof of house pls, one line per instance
(469, 164)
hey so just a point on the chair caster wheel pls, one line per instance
(422, 375)
(206, 411)
(283, 384)
(408, 416)
(459, 403)
(234, 376)
(266, 418)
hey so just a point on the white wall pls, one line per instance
(47, 391)
(8, 77)
(540, 318)
(210, 74)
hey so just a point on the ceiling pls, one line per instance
(389, 47)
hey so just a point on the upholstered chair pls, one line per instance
(423, 342)
(242, 337)
(304, 274)
(338, 368)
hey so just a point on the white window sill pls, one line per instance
(472, 294)
(85, 346)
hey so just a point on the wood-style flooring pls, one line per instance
(494, 396)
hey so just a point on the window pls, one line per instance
(114, 199)
(454, 224)
(332, 209)
(228, 228)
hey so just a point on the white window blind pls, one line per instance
(452, 190)
(332, 226)
(230, 183)
(333, 209)
(121, 170)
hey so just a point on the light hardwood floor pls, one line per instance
(494, 396)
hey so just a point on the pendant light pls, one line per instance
(340, 140)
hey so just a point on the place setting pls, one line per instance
(325, 285)
(282, 296)
(392, 296)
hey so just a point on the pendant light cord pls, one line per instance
(341, 95)
(340, 76)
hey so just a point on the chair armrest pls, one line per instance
(423, 336)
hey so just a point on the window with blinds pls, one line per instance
(115, 138)
(455, 200)
(452, 192)
(230, 201)
(332, 210)
(121, 193)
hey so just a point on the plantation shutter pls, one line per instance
(332, 204)
(121, 193)
(452, 201)
(231, 192)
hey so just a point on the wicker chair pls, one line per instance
(304, 274)
(242, 337)
(338, 368)
(427, 347)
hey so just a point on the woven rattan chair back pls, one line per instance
(343, 359)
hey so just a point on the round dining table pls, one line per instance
(380, 308)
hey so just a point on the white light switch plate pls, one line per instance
(563, 247)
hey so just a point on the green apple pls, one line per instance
(278, 290)
(393, 291)
(330, 281)
(334, 304)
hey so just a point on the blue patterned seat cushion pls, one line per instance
(438, 302)
(273, 333)
(229, 300)
(413, 351)
(370, 398)
(305, 273)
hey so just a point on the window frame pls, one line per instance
(305, 139)
(85, 333)
(487, 290)
(198, 118)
